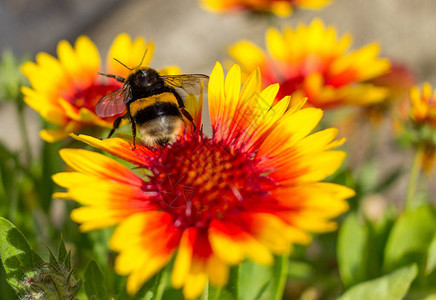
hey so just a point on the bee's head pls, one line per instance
(145, 78)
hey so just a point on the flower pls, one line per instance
(65, 91)
(311, 62)
(422, 124)
(51, 279)
(398, 81)
(250, 191)
(281, 8)
(423, 109)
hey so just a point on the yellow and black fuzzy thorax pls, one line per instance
(153, 107)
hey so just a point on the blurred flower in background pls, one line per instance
(281, 8)
(65, 91)
(419, 126)
(423, 109)
(312, 62)
(398, 81)
(250, 191)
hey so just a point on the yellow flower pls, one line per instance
(423, 109)
(423, 124)
(281, 8)
(65, 91)
(250, 191)
(312, 62)
(398, 81)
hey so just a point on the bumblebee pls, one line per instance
(152, 103)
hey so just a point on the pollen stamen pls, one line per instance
(201, 179)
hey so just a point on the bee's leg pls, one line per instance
(188, 116)
(134, 134)
(115, 125)
(184, 111)
(133, 127)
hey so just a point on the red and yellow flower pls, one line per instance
(65, 91)
(313, 62)
(280, 8)
(422, 113)
(398, 81)
(423, 109)
(250, 191)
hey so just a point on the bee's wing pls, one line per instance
(188, 83)
(112, 104)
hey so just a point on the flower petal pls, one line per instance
(133, 237)
(289, 130)
(129, 53)
(120, 148)
(97, 164)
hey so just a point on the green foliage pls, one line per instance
(369, 249)
(411, 239)
(94, 283)
(431, 257)
(28, 274)
(260, 282)
(11, 79)
(352, 250)
(393, 286)
(16, 255)
(378, 233)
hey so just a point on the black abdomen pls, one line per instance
(156, 111)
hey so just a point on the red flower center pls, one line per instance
(201, 179)
(88, 97)
(289, 86)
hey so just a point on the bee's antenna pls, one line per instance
(118, 78)
(122, 64)
(143, 56)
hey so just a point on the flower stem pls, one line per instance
(205, 294)
(218, 293)
(283, 265)
(413, 179)
(23, 129)
(160, 287)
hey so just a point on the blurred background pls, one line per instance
(194, 39)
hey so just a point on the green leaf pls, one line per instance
(50, 165)
(430, 268)
(425, 294)
(158, 287)
(36, 258)
(352, 242)
(67, 261)
(220, 294)
(52, 259)
(259, 282)
(62, 251)
(378, 233)
(393, 286)
(15, 253)
(6, 290)
(410, 238)
(173, 294)
(94, 283)
(228, 292)
(431, 260)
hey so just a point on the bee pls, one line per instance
(153, 103)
